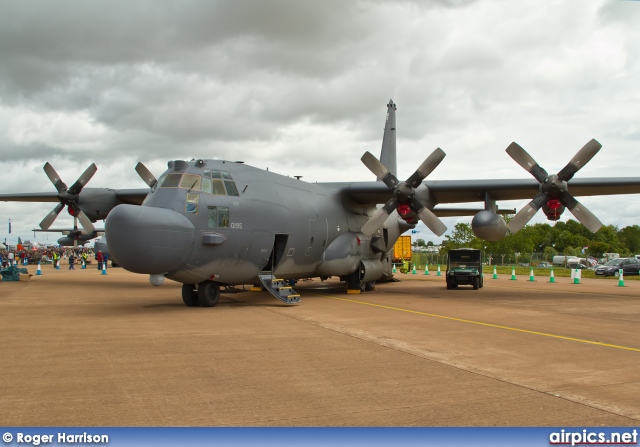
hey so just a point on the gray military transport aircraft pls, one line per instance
(212, 223)
(72, 236)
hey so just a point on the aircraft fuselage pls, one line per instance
(226, 222)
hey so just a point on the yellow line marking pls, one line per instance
(480, 323)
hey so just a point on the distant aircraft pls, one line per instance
(211, 223)
(72, 236)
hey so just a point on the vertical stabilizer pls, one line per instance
(388, 151)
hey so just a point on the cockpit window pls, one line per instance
(231, 188)
(206, 185)
(218, 183)
(192, 203)
(190, 181)
(171, 181)
(218, 188)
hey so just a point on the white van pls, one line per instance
(566, 260)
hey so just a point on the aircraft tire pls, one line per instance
(369, 286)
(208, 293)
(189, 295)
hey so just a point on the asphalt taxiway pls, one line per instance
(84, 349)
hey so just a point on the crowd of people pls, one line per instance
(50, 255)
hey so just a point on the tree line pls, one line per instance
(569, 238)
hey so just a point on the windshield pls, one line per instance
(464, 256)
(614, 262)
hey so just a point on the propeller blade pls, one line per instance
(527, 212)
(378, 218)
(380, 170)
(374, 165)
(146, 175)
(85, 222)
(432, 222)
(83, 179)
(375, 222)
(54, 177)
(521, 156)
(586, 217)
(48, 220)
(578, 161)
(522, 218)
(525, 160)
(427, 166)
(427, 217)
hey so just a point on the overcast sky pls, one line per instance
(301, 87)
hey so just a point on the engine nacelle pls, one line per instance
(489, 226)
(97, 202)
(69, 241)
(372, 269)
(553, 209)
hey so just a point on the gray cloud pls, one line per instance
(301, 87)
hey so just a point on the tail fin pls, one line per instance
(388, 151)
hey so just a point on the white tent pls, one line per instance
(2, 246)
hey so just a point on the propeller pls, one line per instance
(69, 197)
(403, 193)
(146, 175)
(554, 186)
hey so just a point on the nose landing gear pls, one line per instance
(206, 295)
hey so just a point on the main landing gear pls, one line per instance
(206, 295)
(355, 284)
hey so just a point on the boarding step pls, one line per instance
(279, 288)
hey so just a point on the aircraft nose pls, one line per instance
(145, 239)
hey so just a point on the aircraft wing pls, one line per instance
(62, 230)
(129, 196)
(459, 191)
(132, 196)
(465, 191)
(30, 197)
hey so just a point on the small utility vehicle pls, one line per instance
(464, 266)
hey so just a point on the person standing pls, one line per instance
(100, 258)
(10, 257)
(72, 260)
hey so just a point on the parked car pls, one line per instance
(544, 265)
(576, 265)
(629, 266)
